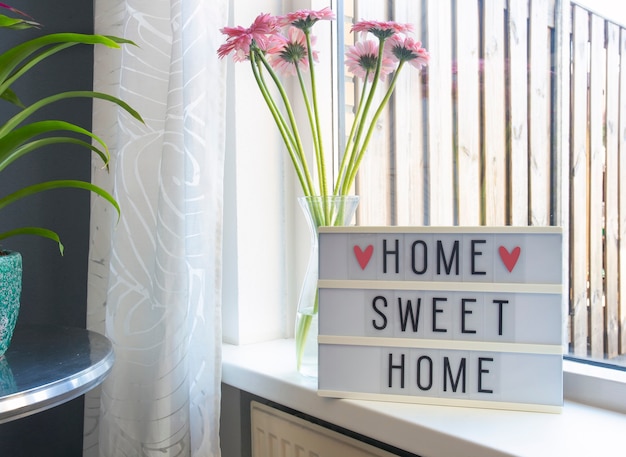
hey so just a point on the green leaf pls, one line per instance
(59, 184)
(7, 22)
(19, 59)
(20, 136)
(10, 142)
(11, 97)
(25, 113)
(38, 231)
(12, 154)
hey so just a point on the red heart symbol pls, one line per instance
(363, 257)
(509, 258)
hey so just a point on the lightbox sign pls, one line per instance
(442, 315)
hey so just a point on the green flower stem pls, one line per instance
(283, 126)
(274, 108)
(337, 213)
(320, 149)
(286, 134)
(349, 149)
(353, 159)
(291, 117)
(286, 102)
(302, 332)
(307, 104)
(310, 116)
(368, 136)
(292, 134)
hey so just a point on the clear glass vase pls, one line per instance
(319, 211)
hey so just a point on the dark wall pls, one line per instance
(54, 286)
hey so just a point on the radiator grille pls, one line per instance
(279, 434)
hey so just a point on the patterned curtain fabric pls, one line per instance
(155, 275)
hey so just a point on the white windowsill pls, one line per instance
(268, 370)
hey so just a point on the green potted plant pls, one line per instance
(21, 135)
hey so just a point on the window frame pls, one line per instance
(271, 316)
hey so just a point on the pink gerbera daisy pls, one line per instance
(361, 60)
(263, 32)
(381, 29)
(305, 19)
(408, 50)
(293, 52)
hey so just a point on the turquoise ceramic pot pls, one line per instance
(10, 290)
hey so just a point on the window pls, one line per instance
(515, 122)
(511, 103)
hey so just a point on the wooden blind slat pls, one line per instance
(518, 74)
(622, 195)
(596, 213)
(495, 114)
(611, 238)
(468, 112)
(563, 59)
(539, 166)
(440, 154)
(409, 134)
(579, 159)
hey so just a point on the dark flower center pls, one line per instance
(382, 34)
(368, 62)
(403, 53)
(293, 52)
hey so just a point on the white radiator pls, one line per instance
(279, 434)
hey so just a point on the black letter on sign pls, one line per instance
(392, 366)
(447, 372)
(437, 311)
(408, 312)
(474, 254)
(464, 312)
(395, 253)
(424, 257)
(454, 257)
(482, 370)
(430, 372)
(380, 313)
(500, 303)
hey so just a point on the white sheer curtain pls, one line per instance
(155, 275)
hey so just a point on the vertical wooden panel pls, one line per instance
(539, 114)
(518, 77)
(409, 134)
(495, 114)
(468, 111)
(579, 160)
(440, 154)
(373, 184)
(563, 30)
(611, 237)
(596, 213)
(622, 194)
